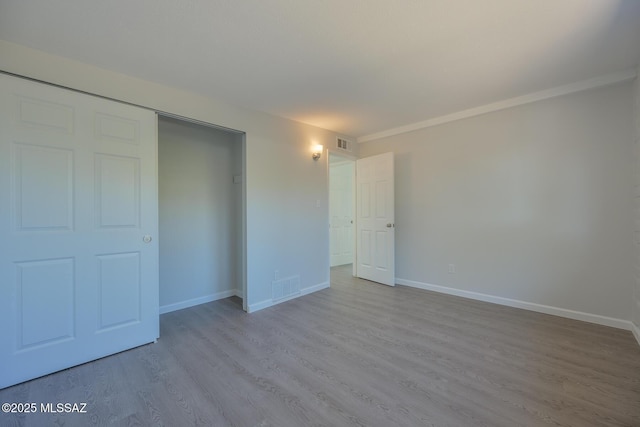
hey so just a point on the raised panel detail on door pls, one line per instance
(119, 287)
(43, 177)
(382, 192)
(364, 193)
(382, 241)
(364, 256)
(117, 191)
(77, 280)
(118, 129)
(45, 302)
(49, 116)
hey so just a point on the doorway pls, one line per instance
(201, 221)
(362, 216)
(342, 212)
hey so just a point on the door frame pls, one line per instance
(352, 158)
(243, 217)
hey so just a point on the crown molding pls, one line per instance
(605, 80)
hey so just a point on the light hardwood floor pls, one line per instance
(357, 354)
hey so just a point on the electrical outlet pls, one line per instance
(452, 268)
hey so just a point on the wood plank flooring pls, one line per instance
(357, 354)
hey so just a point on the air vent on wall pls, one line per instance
(344, 145)
(285, 288)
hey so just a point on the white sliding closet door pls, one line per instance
(78, 228)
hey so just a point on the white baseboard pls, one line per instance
(251, 308)
(636, 331)
(540, 308)
(316, 288)
(197, 301)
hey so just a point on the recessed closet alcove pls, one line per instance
(200, 188)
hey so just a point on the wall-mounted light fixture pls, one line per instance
(317, 151)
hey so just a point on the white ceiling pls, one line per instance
(353, 66)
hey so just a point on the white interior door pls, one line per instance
(78, 207)
(341, 212)
(375, 219)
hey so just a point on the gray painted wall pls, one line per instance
(532, 203)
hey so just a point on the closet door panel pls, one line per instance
(78, 228)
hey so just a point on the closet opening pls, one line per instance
(201, 192)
